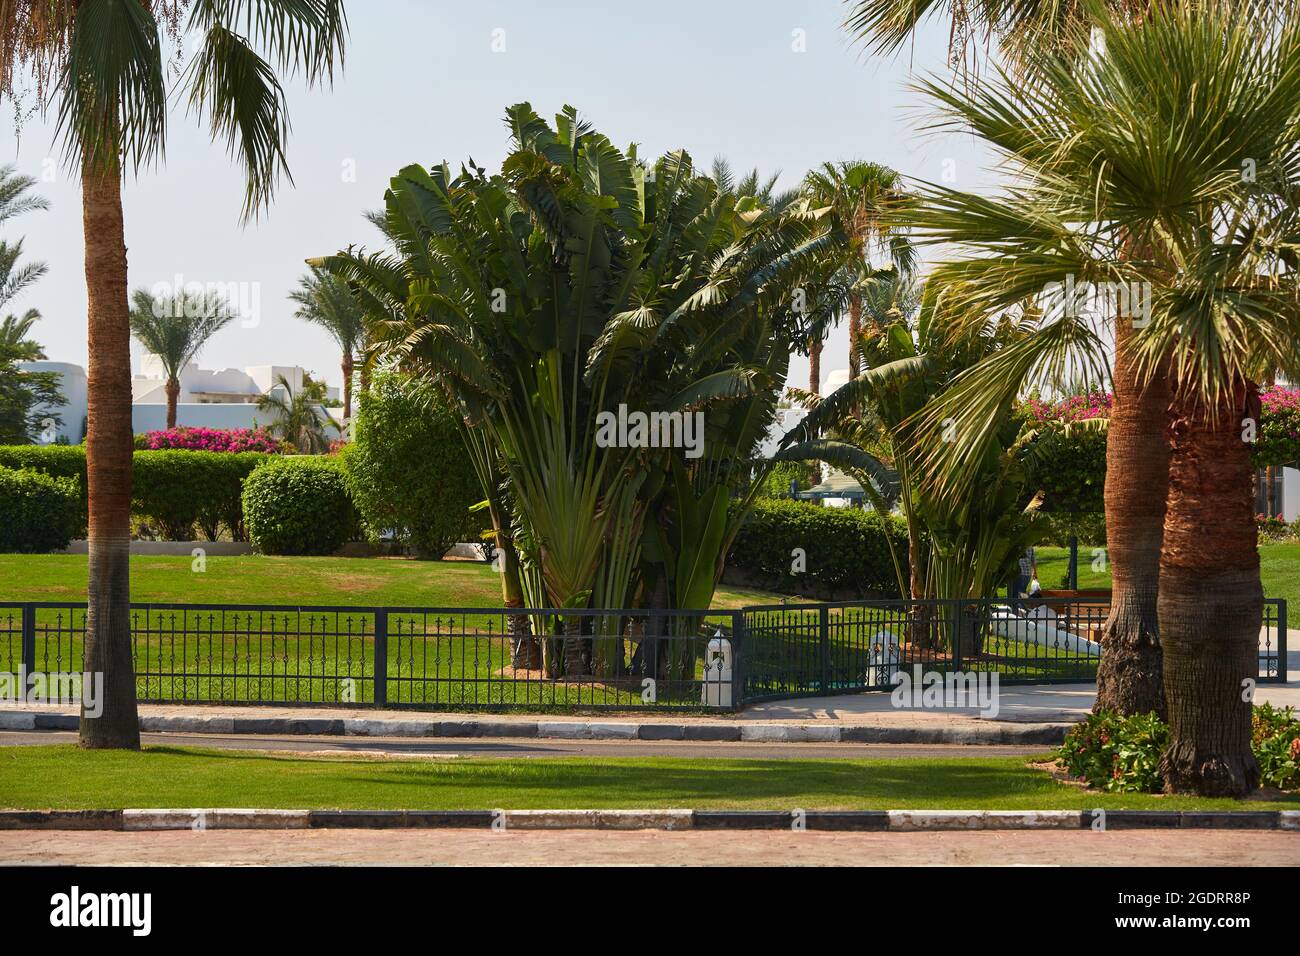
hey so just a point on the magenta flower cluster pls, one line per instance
(1277, 399)
(212, 439)
(1076, 408)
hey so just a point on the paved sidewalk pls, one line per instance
(651, 847)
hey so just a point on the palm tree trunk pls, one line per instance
(1129, 678)
(347, 385)
(575, 647)
(525, 650)
(108, 464)
(173, 389)
(815, 386)
(1211, 600)
(855, 333)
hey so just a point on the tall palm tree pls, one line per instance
(100, 62)
(864, 199)
(327, 301)
(1132, 182)
(174, 328)
(1130, 677)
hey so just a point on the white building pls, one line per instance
(208, 398)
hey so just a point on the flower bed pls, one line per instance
(209, 439)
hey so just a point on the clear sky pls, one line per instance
(770, 83)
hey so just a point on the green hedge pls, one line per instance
(408, 472)
(846, 550)
(38, 512)
(174, 492)
(58, 461)
(298, 505)
(177, 491)
(61, 461)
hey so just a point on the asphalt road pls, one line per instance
(527, 747)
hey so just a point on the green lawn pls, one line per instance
(1279, 570)
(441, 660)
(255, 579)
(66, 777)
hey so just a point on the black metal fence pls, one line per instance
(793, 650)
(497, 658)
(429, 658)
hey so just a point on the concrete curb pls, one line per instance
(598, 819)
(137, 820)
(1047, 734)
(215, 819)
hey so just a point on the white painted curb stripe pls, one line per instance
(219, 818)
(599, 819)
(984, 819)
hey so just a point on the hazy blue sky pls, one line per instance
(422, 83)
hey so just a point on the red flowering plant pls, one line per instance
(1076, 408)
(1277, 439)
(1272, 528)
(1074, 475)
(1114, 753)
(209, 439)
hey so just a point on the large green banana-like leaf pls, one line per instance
(702, 526)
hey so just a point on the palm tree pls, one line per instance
(174, 328)
(959, 544)
(15, 329)
(15, 332)
(1133, 183)
(1130, 678)
(101, 63)
(864, 199)
(299, 418)
(327, 301)
(752, 184)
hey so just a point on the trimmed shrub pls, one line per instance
(298, 505)
(408, 471)
(173, 491)
(846, 549)
(178, 490)
(38, 512)
(58, 461)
